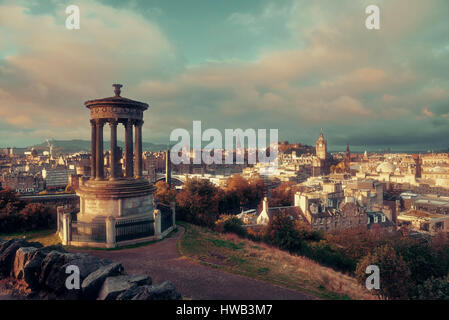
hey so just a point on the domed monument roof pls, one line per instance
(385, 167)
(116, 106)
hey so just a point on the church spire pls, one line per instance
(347, 160)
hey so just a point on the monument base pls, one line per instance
(116, 212)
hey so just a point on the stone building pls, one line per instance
(365, 192)
(435, 169)
(56, 178)
(378, 218)
(22, 182)
(267, 213)
(424, 222)
(327, 218)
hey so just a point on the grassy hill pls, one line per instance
(265, 263)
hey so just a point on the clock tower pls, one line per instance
(321, 147)
(320, 161)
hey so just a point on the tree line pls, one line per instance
(19, 216)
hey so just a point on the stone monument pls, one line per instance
(115, 206)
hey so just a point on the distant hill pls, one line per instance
(77, 145)
(300, 148)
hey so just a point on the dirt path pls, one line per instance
(162, 262)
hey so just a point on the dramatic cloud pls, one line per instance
(52, 71)
(294, 65)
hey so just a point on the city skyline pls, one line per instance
(296, 66)
(224, 150)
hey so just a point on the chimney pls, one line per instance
(296, 200)
(265, 205)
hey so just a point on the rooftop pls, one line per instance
(421, 214)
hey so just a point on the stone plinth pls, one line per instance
(119, 198)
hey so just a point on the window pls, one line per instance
(375, 219)
(383, 218)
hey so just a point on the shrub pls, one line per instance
(282, 233)
(306, 232)
(230, 224)
(198, 202)
(32, 216)
(256, 233)
(434, 289)
(324, 254)
(395, 280)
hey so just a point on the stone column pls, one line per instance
(93, 152)
(120, 207)
(113, 162)
(157, 224)
(129, 149)
(60, 214)
(138, 132)
(100, 156)
(66, 229)
(110, 232)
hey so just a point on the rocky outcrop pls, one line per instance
(8, 251)
(43, 270)
(53, 274)
(23, 255)
(33, 267)
(113, 286)
(93, 283)
(164, 291)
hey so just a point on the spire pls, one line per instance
(321, 138)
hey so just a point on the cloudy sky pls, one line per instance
(293, 65)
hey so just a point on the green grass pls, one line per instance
(47, 236)
(263, 270)
(241, 256)
(226, 244)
